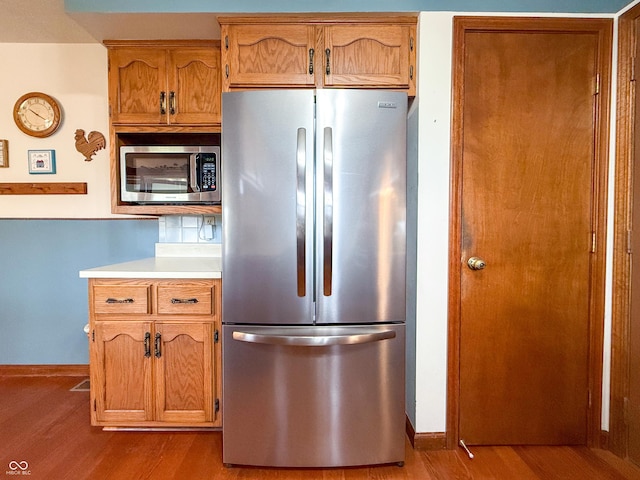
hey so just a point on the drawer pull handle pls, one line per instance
(115, 300)
(184, 300)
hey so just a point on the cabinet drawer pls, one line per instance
(121, 299)
(185, 299)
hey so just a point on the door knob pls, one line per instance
(476, 263)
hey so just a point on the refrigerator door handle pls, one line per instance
(328, 211)
(314, 340)
(301, 205)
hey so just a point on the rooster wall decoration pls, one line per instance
(89, 146)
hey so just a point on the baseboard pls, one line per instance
(425, 441)
(604, 440)
(45, 370)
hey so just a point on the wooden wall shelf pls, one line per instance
(30, 188)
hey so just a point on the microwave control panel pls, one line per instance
(206, 170)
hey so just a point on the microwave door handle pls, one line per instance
(328, 211)
(195, 173)
(301, 214)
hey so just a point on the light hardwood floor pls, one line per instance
(46, 425)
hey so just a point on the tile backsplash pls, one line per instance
(190, 229)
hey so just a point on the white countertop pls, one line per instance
(171, 261)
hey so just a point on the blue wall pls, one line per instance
(43, 301)
(259, 6)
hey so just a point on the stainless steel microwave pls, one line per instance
(170, 174)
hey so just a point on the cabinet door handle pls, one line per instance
(327, 54)
(184, 300)
(157, 346)
(163, 102)
(147, 344)
(172, 103)
(311, 53)
(123, 300)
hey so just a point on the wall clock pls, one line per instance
(37, 114)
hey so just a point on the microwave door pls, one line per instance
(204, 172)
(169, 174)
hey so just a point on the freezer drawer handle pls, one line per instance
(313, 340)
(301, 206)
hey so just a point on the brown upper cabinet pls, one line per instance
(164, 83)
(318, 52)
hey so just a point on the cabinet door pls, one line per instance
(367, 56)
(268, 55)
(195, 86)
(184, 372)
(137, 79)
(121, 372)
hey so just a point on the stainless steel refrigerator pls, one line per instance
(314, 207)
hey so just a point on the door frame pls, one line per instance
(603, 29)
(624, 192)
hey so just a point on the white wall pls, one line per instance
(434, 93)
(76, 76)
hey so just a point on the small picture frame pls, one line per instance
(42, 161)
(4, 153)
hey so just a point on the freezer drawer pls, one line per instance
(313, 396)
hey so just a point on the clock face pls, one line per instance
(37, 114)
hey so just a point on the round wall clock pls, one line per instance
(37, 114)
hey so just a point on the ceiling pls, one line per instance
(45, 21)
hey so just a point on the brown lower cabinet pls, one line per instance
(154, 353)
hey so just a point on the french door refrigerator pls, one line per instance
(314, 203)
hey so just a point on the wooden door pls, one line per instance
(528, 184)
(194, 86)
(269, 55)
(367, 56)
(184, 372)
(137, 78)
(121, 372)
